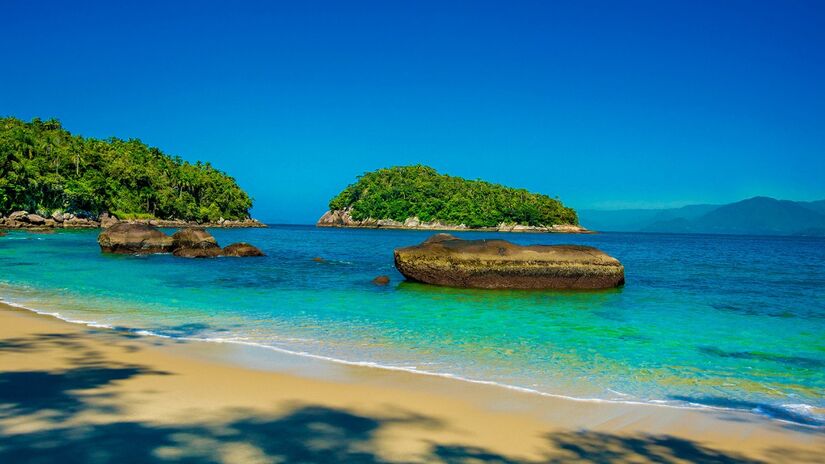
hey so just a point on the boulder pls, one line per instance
(446, 260)
(34, 219)
(57, 216)
(195, 243)
(242, 250)
(125, 238)
(107, 221)
(194, 238)
(198, 252)
(381, 280)
(18, 215)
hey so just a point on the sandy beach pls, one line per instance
(78, 394)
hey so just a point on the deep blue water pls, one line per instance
(727, 321)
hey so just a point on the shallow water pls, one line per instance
(722, 321)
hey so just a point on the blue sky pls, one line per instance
(603, 104)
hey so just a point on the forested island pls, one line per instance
(48, 172)
(418, 197)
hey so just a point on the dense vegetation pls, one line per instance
(44, 168)
(401, 192)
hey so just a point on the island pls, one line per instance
(418, 197)
(50, 178)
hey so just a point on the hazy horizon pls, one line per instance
(657, 106)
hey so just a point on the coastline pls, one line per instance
(343, 219)
(415, 417)
(21, 220)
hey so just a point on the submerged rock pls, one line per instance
(125, 238)
(381, 280)
(446, 260)
(242, 250)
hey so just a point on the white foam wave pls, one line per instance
(797, 408)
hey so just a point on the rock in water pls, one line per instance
(381, 280)
(128, 238)
(446, 260)
(198, 252)
(195, 243)
(242, 250)
(193, 238)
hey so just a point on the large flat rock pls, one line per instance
(446, 260)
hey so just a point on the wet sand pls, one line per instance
(70, 393)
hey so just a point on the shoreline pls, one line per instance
(441, 396)
(262, 350)
(343, 219)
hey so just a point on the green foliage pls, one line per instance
(406, 191)
(44, 168)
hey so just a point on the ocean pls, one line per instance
(703, 321)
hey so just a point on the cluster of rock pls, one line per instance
(446, 260)
(26, 220)
(129, 238)
(343, 218)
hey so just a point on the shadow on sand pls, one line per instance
(56, 400)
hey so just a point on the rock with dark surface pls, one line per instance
(195, 243)
(125, 238)
(198, 252)
(381, 280)
(446, 260)
(242, 250)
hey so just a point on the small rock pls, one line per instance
(242, 250)
(319, 259)
(381, 280)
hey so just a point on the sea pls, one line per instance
(704, 321)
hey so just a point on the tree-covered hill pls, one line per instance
(401, 192)
(44, 168)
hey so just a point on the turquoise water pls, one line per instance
(723, 321)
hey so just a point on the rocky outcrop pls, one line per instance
(134, 239)
(446, 260)
(343, 218)
(242, 250)
(58, 219)
(195, 243)
(128, 238)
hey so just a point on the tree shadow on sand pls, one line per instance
(56, 399)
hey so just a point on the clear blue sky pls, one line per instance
(604, 104)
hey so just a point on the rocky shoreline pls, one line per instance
(26, 220)
(344, 219)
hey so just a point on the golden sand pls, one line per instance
(69, 393)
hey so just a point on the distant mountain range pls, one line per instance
(754, 216)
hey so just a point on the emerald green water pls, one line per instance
(723, 321)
